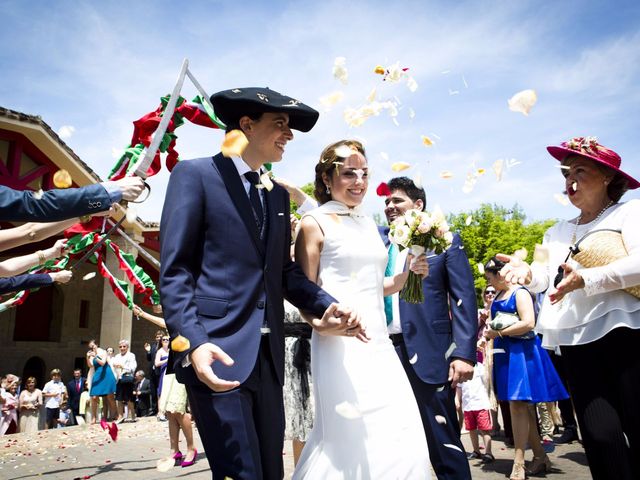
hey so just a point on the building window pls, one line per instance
(84, 314)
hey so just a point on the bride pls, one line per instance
(367, 424)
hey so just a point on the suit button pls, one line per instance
(260, 305)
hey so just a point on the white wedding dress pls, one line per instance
(367, 424)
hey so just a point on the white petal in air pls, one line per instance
(468, 220)
(480, 268)
(385, 156)
(417, 180)
(413, 359)
(498, 168)
(561, 199)
(399, 166)
(441, 420)
(331, 99)
(343, 151)
(454, 447)
(459, 302)
(523, 101)
(412, 113)
(340, 70)
(348, 410)
(89, 276)
(440, 389)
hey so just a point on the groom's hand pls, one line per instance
(202, 358)
(460, 371)
(340, 320)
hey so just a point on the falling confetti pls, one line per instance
(521, 253)
(450, 350)
(574, 186)
(441, 420)
(265, 182)
(340, 70)
(454, 447)
(426, 141)
(343, 151)
(89, 276)
(413, 359)
(464, 82)
(468, 220)
(131, 214)
(412, 84)
(561, 199)
(383, 190)
(480, 267)
(446, 174)
(180, 344)
(523, 101)
(62, 179)
(453, 92)
(412, 113)
(380, 70)
(499, 350)
(331, 99)
(348, 410)
(440, 389)
(400, 166)
(498, 168)
(385, 156)
(234, 144)
(372, 96)
(38, 194)
(459, 302)
(481, 171)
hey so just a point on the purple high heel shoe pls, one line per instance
(191, 462)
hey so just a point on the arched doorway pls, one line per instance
(35, 367)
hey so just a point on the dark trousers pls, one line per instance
(604, 377)
(243, 430)
(565, 406)
(446, 452)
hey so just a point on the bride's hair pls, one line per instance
(327, 163)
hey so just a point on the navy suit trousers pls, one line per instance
(446, 452)
(242, 430)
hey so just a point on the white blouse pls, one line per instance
(587, 314)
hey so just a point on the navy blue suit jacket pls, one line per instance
(74, 397)
(24, 282)
(449, 314)
(54, 205)
(218, 280)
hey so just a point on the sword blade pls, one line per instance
(98, 244)
(143, 165)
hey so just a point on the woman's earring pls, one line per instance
(328, 190)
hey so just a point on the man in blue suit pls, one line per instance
(54, 205)
(226, 266)
(424, 336)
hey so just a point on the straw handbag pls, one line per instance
(601, 247)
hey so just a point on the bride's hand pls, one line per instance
(340, 320)
(418, 265)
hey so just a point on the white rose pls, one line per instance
(448, 236)
(425, 226)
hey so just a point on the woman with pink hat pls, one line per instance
(591, 313)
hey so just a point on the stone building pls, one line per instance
(52, 328)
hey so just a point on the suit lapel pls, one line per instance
(239, 196)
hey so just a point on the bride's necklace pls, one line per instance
(560, 274)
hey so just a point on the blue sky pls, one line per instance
(97, 66)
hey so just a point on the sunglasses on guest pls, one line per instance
(489, 292)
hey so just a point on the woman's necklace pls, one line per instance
(560, 274)
(579, 219)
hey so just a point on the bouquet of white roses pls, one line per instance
(420, 232)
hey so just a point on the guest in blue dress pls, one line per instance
(523, 372)
(103, 381)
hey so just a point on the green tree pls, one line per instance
(495, 229)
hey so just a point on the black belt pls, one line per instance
(396, 338)
(297, 329)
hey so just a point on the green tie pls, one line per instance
(388, 272)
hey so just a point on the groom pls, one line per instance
(428, 330)
(225, 251)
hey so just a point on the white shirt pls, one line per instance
(587, 314)
(128, 362)
(53, 387)
(243, 168)
(474, 392)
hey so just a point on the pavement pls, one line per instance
(87, 452)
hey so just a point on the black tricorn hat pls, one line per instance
(231, 105)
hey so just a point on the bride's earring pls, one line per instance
(328, 190)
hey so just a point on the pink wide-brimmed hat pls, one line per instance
(589, 147)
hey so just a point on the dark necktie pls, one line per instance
(78, 386)
(254, 196)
